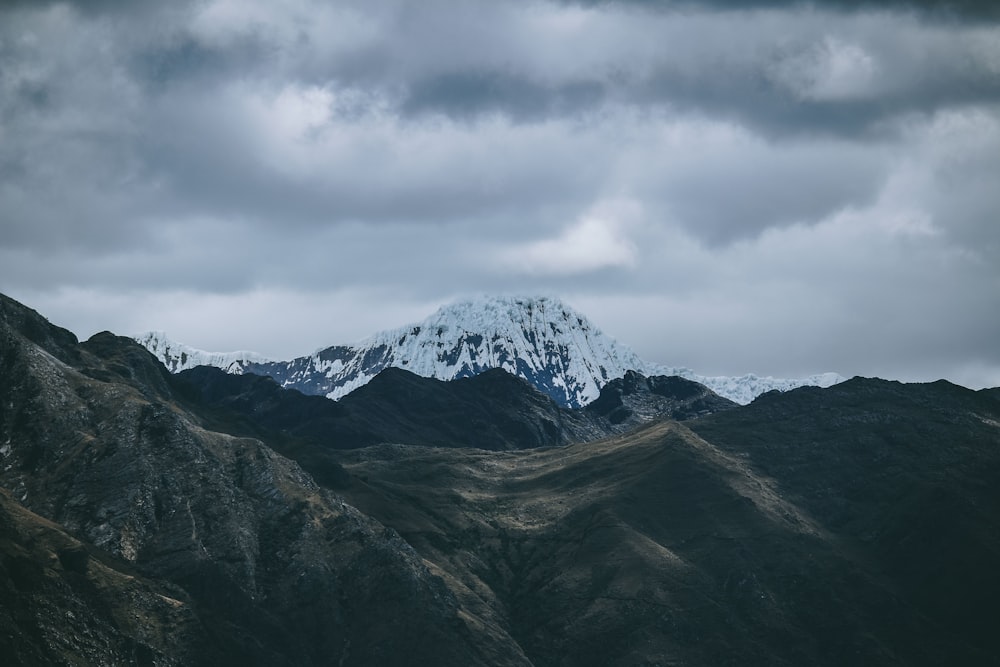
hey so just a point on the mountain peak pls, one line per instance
(489, 309)
(538, 338)
(503, 315)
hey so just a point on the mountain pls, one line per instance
(542, 340)
(493, 410)
(151, 518)
(146, 538)
(67, 602)
(857, 525)
(906, 474)
(178, 357)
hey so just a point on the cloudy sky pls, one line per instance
(773, 187)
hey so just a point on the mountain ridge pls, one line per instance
(856, 524)
(540, 339)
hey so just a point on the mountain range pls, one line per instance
(207, 518)
(542, 340)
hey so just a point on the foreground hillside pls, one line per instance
(662, 548)
(148, 518)
(261, 566)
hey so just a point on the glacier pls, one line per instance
(178, 357)
(540, 339)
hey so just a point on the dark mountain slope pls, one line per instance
(909, 475)
(277, 570)
(636, 399)
(652, 548)
(64, 602)
(493, 410)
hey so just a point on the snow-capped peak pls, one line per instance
(540, 339)
(179, 357)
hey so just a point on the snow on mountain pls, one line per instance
(178, 357)
(540, 339)
(745, 388)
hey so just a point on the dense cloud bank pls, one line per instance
(775, 187)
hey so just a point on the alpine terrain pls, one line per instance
(540, 339)
(208, 518)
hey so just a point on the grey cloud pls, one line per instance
(966, 10)
(185, 60)
(717, 67)
(720, 203)
(471, 93)
(835, 159)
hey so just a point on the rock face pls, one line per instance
(635, 399)
(271, 567)
(65, 602)
(148, 518)
(541, 340)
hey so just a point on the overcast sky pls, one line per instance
(782, 188)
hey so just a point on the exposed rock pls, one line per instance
(636, 399)
(65, 602)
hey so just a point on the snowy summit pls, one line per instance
(539, 339)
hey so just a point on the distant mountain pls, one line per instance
(542, 340)
(178, 357)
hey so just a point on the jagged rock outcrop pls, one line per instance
(635, 399)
